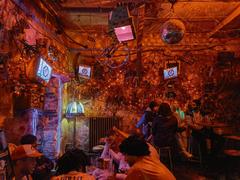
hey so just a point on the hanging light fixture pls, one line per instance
(121, 23)
(74, 109)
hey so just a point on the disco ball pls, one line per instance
(172, 31)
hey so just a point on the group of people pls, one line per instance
(133, 155)
(135, 158)
(28, 163)
(164, 125)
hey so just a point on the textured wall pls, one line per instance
(117, 91)
(49, 123)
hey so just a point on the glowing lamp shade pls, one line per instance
(124, 33)
(74, 108)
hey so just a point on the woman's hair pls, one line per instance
(164, 110)
(28, 139)
(72, 160)
(134, 146)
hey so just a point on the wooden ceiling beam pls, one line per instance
(87, 9)
(226, 21)
(139, 36)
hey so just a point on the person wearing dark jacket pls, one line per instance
(164, 131)
(147, 119)
(165, 127)
(44, 165)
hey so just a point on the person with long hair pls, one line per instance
(165, 129)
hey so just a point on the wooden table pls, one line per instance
(235, 138)
(212, 124)
(232, 152)
(218, 127)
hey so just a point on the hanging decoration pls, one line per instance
(53, 53)
(115, 56)
(172, 31)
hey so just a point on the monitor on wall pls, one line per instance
(44, 70)
(85, 71)
(39, 71)
(170, 73)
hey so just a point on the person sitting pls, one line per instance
(139, 157)
(72, 165)
(147, 119)
(153, 152)
(44, 165)
(111, 150)
(97, 173)
(201, 134)
(24, 161)
(165, 131)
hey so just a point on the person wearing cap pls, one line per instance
(44, 165)
(24, 161)
(143, 162)
(147, 119)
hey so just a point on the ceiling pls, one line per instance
(217, 19)
(199, 16)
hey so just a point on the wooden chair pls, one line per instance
(168, 151)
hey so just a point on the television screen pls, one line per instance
(170, 73)
(124, 33)
(85, 72)
(44, 70)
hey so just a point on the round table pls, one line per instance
(236, 138)
(212, 124)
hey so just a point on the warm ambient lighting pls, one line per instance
(74, 108)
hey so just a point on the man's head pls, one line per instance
(29, 139)
(72, 160)
(24, 158)
(134, 148)
(153, 106)
(164, 109)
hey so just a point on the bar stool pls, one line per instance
(190, 149)
(232, 161)
(232, 155)
(168, 150)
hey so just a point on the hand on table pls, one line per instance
(106, 176)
